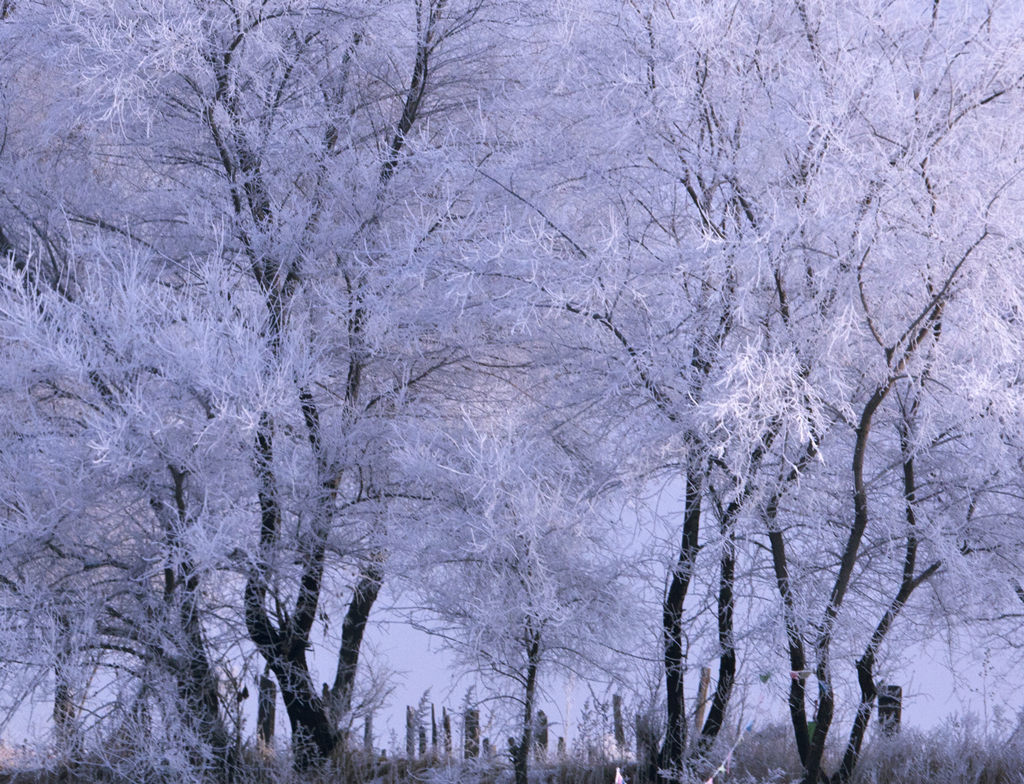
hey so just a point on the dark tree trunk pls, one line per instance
(368, 586)
(283, 645)
(927, 324)
(199, 688)
(520, 751)
(726, 640)
(728, 518)
(674, 747)
(314, 738)
(797, 698)
(64, 710)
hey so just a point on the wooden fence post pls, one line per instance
(368, 733)
(646, 747)
(471, 733)
(702, 698)
(890, 708)
(618, 725)
(266, 702)
(433, 731)
(446, 731)
(540, 735)
(410, 732)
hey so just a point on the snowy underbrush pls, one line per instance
(766, 756)
(954, 754)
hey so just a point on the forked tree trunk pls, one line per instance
(284, 645)
(314, 737)
(930, 320)
(908, 583)
(823, 642)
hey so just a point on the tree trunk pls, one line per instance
(371, 577)
(521, 751)
(313, 737)
(284, 646)
(797, 699)
(928, 323)
(199, 688)
(726, 639)
(197, 682)
(674, 748)
(823, 643)
(64, 710)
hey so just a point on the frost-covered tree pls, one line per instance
(277, 156)
(117, 508)
(517, 573)
(783, 244)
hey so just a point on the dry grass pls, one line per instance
(951, 755)
(954, 754)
